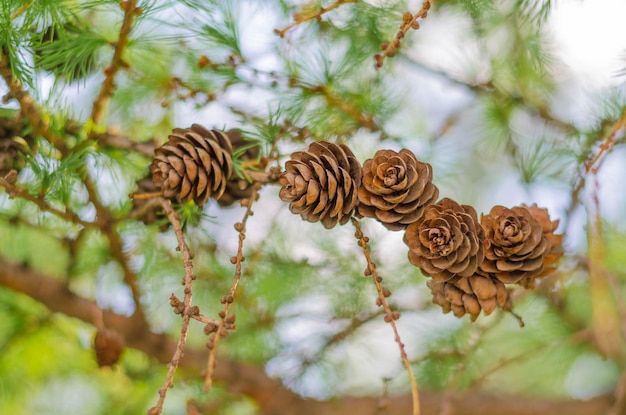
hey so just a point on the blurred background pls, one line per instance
(511, 102)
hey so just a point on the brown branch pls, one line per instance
(366, 121)
(271, 396)
(104, 96)
(104, 218)
(409, 21)
(15, 191)
(187, 309)
(28, 105)
(116, 245)
(595, 159)
(390, 315)
(307, 15)
(21, 10)
(227, 321)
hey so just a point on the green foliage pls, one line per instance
(495, 131)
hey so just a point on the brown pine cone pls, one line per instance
(470, 295)
(519, 247)
(396, 187)
(321, 184)
(194, 164)
(447, 241)
(108, 345)
(12, 146)
(238, 188)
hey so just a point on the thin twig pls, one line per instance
(390, 315)
(27, 104)
(102, 101)
(227, 321)
(595, 159)
(409, 21)
(104, 218)
(581, 336)
(116, 244)
(21, 10)
(305, 16)
(188, 310)
(15, 191)
(346, 107)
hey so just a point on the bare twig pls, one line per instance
(307, 15)
(227, 321)
(187, 311)
(409, 21)
(390, 315)
(102, 101)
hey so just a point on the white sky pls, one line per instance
(591, 37)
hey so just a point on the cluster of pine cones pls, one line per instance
(468, 261)
(197, 164)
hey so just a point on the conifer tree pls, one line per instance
(306, 207)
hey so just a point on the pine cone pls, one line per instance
(194, 164)
(396, 188)
(321, 184)
(238, 188)
(108, 345)
(12, 146)
(519, 244)
(470, 295)
(447, 241)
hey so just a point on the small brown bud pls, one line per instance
(233, 260)
(222, 314)
(230, 299)
(239, 226)
(379, 302)
(388, 318)
(367, 272)
(210, 328)
(230, 319)
(386, 292)
(203, 62)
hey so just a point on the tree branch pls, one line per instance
(101, 103)
(306, 15)
(271, 396)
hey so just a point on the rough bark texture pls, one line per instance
(271, 395)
